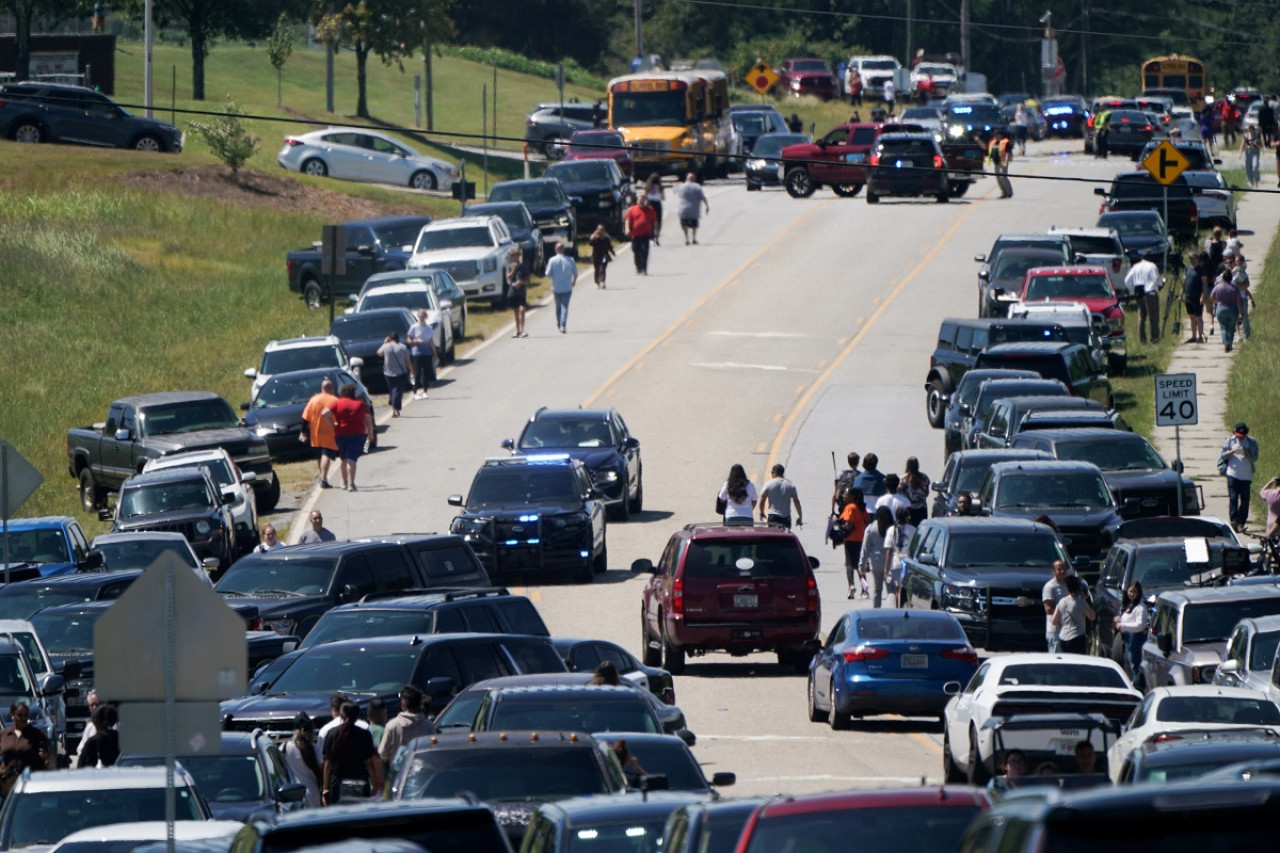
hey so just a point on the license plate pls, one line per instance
(915, 661)
(746, 601)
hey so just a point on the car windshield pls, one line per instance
(50, 816)
(1205, 622)
(38, 546)
(400, 235)
(1263, 651)
(221, 778)
(1013, 267)
(218, 466)
(516, 216)
(1133, 226)
(751, 122)
(670, 757)
(878, 65)
(189, 416)
(300, 358)
(1061, 675)
(920, 113)
(303, 576)
(775, 557)
(351, 669)
(1026, 332)
(179, 496)
(934, 70)
(575, 713)
(411, 299)
(64, 631)
(354, 624)
(1089, 245)
(595, 143)
(14, 683)
(553, 433)
(923, 626)
(1112, 455)
(975, 114)
(1218, 709)
(1026, 550)
(1078, 286)
(1070, 489)
(513, 774)
(468, 237)
(286, 390)
(376, 327)
(771, 145)
(20, 600)
(125, 554)
(1204, 179)
(883, 829)
(810, 65)
(648, 109)
(580, 171)
(999, 389)
(1163, 566)
(531, 484)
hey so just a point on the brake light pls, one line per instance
(677, 597)
(861, 653)
(812, 604)
(1195, 214)
(1163, 738)
(964, 653)
(292, 141)
(875, 159)
(938, 162)
(1146, 127)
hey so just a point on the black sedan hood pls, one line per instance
(544, 508)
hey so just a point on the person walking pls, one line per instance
(1144, 281)
(638, 225)
(421, 339)
(894, 496)
(1071, 618)
(350, 760)
(1101, 132)
(395, 369)
(317, 532)
(896, 541)
(794, 124)
(1021, 126)
(102, 748)
(1267, 122)
(1240, 279)
(691, 202)
(890, 95)
(99, 21)
(1206, 129)
(410, 723)
(352, 426)
(872, 560)
(22, 747)
(563, 272)
(776, 499)
(300, 757)
(1215, 247)
(915, 486)
(1000, 154)
(654, 194)
(517, 274)
(1055, 589)
(844, 481)
(268, 540)
(736, 500)
(1251, 148)
(319, 432)
(870, 482)
(601, 253)
(1194, 286)
(854, 518)
(1236, 462)
(853, 83)
(1224, 307)
(1132, 624)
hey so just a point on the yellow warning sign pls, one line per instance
(761, 78)
(1166, 163)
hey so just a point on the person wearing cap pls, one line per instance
(1239, 453)
(1144, 281)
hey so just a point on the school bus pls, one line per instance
(1177, 73)
(674, 122)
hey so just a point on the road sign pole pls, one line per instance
(1177, 463)
(4, 510)
(170, 725)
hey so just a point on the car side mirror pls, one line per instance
(984, 275)
(1100, 192)
(440, 688)
(813, 562)
(1230, 667)
(644, 564)
(72, 669)
(228, 498)
(631, 443)
(248, 477)
(982, 259)
(251, 373)
(91, 562)
(51, 684)
(455, 500)
(353, 298)
(654, 782)
(244, 407)
(105, 515)
(1130, 508)
(1165, 643)
(122, 434)
(964, 410)
(1079, 563)
(294, 792)
(688, 737)
(356, 363)
(349, 593)
(951, 688)
(927, 559)
(509, 444)
(723, 779)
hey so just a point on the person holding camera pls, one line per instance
(22, 747)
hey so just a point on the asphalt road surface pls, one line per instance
(794, 329)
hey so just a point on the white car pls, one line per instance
(231, 481)
(472, 249)
(300, 354)
(1022, 684)
(414, 296)
(360, 154)
(944, 75)
(1251, 115)
(449, 296)
(1193, 707)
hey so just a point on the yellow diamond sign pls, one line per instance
(1166, 163)
(761, 78)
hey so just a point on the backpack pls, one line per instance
(844, 482)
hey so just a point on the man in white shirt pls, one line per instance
(335, 704)
(1144, 281)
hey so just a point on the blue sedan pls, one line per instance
(888, 662)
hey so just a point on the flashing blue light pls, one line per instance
(584, 554)
(525, 519)
(960, 111)
(547, 457)
(1057, 111)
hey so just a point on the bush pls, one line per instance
(573, 72)
(227, 137)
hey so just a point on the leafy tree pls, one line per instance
(279, 48)
(228, 138)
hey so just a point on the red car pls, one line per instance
(871, 821)
(808, 77)
(600, 144)
(733, 589)
(1089, 285)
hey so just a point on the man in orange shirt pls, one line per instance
(319, 431)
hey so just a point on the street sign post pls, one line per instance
(1176, 407)
(1165, 164)
(18, 481)
(761, 77)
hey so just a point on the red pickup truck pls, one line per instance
(839, 159)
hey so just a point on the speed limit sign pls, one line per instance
(1176, 399)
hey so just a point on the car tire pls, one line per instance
(959, 188)
(1116, 366)
(461, 331)
(600, 564)
(268, 497)
(672, 656)
(637, 503)
(553, 147)
(943, 198)
(315, 167)
(799, 182)
(978, 775)
(815, 715)
(587, 573)
(838, 720)
(951, 773)
(846, 190)
(753, 187)
(148, 142)
(423, 180)
(29, 132)
(451, 352)
(934, 407)
(312, 296)
(800, 660)
(648, 655)
(91, 497)
(872, 198)
(621, 511)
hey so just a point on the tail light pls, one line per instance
(1147, 127)
(677, 597)
(1163, 738)
(964, 653)
(293, 141)
(861, 653)
(1115, 265)
(938, 162)
(257, 624)
(812, 604)
(1195, 214)
(875, 159)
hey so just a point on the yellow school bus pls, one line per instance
(674, 122)
(1177, 73)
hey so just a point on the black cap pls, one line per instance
(1242, 427)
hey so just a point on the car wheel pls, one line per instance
(815, 715)
(601, 562)
(943, 198)
(649, 655)
(553, 147)
(451, 353)
(461, 331)
(799, 182)
(148, 142)
(935, 408)
(672, 656)
(753, 187)
(90, 495)
(951, 774)
(269, 497)
(958, 188)
(872, 198)
(846, 190)
(311, 294)
(587, 573)
(835, 718)
(621, 511)
(978, 774)
(1117, 364)
(637, 503)
(315, 167)
(28, 132)
(423, 180)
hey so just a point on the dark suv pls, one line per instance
(551, 209)
(959, 403)
(1058, 244)
(183, 500)
(549, 126)
(1071, 364)
(598, 190)
(535, 516)
(1007, 417)
(55, 112)
(907, 164)
(600, 438)
(1140, 191)
(734, 589)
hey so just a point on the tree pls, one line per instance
(228, 138)
(279, 48)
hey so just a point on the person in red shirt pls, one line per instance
(352, 425)
(639, 224)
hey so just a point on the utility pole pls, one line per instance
(964, 34)
(639, 32)
(1084, 51)
(910, 26)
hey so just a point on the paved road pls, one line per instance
(796, 328)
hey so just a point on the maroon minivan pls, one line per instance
(733, 589)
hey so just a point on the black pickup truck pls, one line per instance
(1139, 191)
(373, 246)
(147, 426)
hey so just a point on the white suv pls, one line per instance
(301, 354)
(875, 72)
(230, 481)
(472, 249)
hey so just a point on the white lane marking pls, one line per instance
(882, 780)
(733, 365)
(730, 334)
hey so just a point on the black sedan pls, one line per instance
(361, 335)
(764, 166)
(276, 412)
(598, 190)
(1142, 232)
(600, 438)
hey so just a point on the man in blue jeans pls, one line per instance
(1240, 453)
(563, 273)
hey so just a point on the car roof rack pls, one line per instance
(447, 593)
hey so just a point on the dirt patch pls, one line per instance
(255, 189)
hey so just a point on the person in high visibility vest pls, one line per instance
(999, 153)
